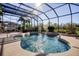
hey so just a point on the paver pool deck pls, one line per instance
(14, 49)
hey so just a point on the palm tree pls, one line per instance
(1, 22)
(24, 24)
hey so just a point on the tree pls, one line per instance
(25, 24)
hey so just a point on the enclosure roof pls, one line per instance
(45, 11)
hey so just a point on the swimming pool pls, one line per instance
(43, 44)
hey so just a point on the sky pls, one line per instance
(60, 11)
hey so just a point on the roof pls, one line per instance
(64, 12)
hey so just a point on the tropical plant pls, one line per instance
(51, 28)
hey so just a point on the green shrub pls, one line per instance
(71, 29)
(77, 32)
(51, 29)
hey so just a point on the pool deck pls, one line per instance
(14, 49)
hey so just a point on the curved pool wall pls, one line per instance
(44, 44)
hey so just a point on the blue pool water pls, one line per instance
(43, 43)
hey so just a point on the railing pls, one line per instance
(1, 46)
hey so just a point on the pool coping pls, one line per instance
(73, 51)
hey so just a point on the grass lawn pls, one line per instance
(61, 30)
